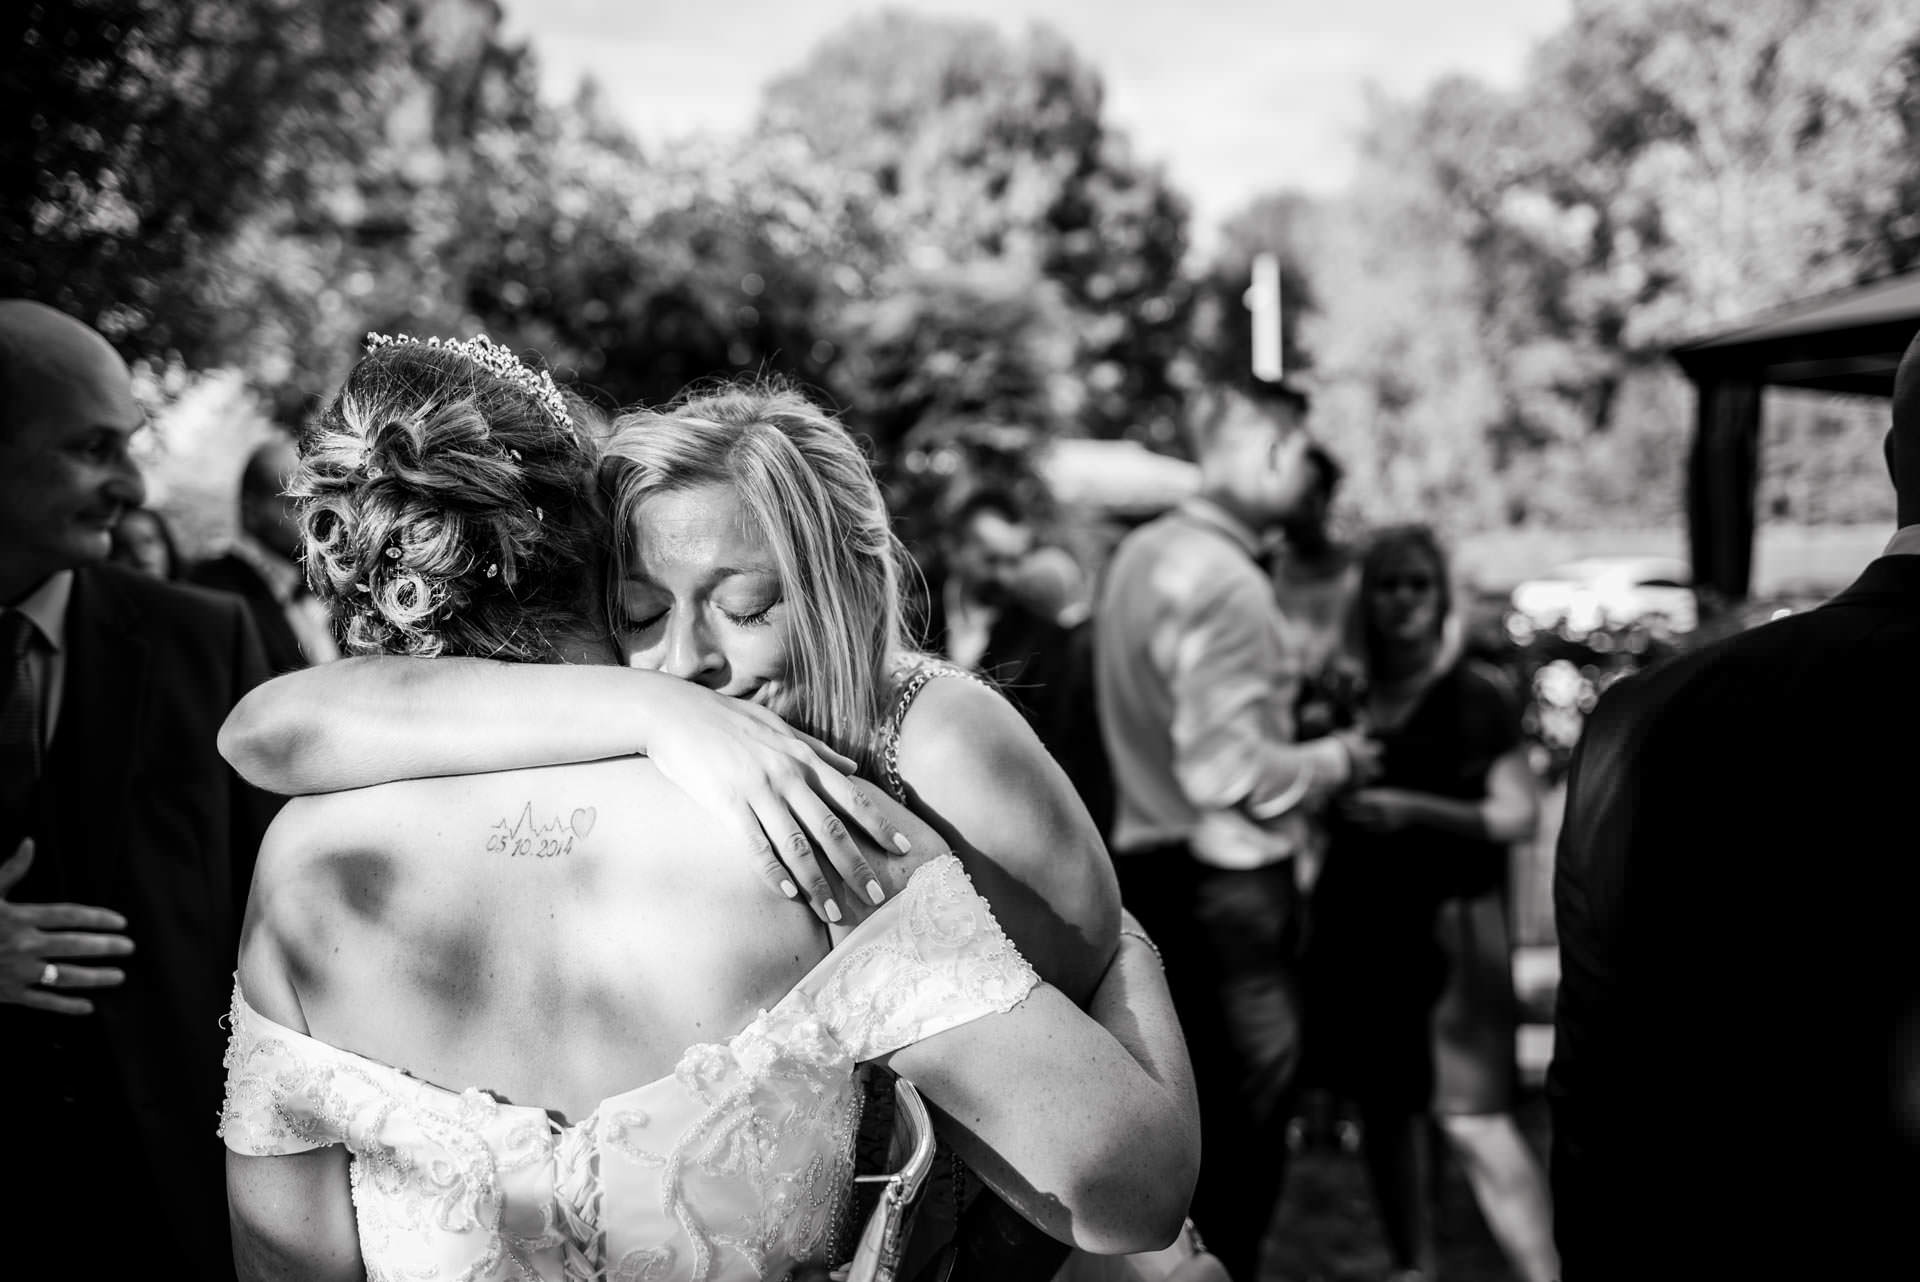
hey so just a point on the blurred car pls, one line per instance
(1586, 596)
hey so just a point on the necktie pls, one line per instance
(20, 746)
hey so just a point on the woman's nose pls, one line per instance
(691, 654)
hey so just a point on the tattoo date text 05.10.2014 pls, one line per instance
(526, 838)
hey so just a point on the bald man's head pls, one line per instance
(47, 358)
(67, 414)
(1903, 435)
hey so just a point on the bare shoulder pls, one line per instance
(958, 721)
(894, 871)
(973, 766)
(977, 772)
(289, 910)
(970, 760)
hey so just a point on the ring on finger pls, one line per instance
(49, 975)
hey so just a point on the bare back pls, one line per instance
(553, 936)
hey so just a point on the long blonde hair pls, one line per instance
(812, 494)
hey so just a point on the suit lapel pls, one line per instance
(103, 717)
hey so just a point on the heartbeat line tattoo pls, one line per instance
(525, 838)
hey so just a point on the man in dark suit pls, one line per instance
(979, 617)
(1738, 1018)
(120, 911)
(262, 567)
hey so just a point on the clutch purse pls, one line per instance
(883, 1242)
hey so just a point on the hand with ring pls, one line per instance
(32, 936)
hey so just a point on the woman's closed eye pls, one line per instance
(750, 616)
(756, 615)
(643, 609)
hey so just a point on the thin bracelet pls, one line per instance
(1142, 937)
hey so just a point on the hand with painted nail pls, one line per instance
(787, 793)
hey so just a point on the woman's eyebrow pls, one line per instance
(718, 572)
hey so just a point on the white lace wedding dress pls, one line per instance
(734, 1167)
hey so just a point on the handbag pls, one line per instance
(883, 1240)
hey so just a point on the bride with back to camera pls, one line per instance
(548, 1021)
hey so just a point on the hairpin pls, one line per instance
(493, 358)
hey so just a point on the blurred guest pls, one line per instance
(984, 613)
(1197, 677)
(1411, 1009)
(1052, 582)
(983, 550)
(1734, 893)
(136, 833)
(261, 565)
(1314, 573)
(143, 542)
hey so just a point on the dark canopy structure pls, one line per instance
(1849, 341)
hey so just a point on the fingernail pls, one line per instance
(833, 911)
(790, 890)
(874, 892)
(901, 844)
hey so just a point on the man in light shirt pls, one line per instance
(262, 567)
(1197, 672)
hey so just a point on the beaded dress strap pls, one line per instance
(909, 691)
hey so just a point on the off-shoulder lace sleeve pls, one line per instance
(932, 959)
(282, 1096)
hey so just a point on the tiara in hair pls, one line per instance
(493, 358)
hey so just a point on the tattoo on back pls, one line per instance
(524, 838)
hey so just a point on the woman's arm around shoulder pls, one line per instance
(370, 720)
(373, 719)
(292, 1214)
(1085, 1122)
(975, 769)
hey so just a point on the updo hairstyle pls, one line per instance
(446, 511)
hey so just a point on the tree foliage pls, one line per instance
(934, 224)
(152, 130)
(981, 149)
(1496, 293)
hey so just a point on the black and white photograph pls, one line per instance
(915, 641)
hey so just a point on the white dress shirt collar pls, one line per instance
(1205, 511)
(1905, 542)
(46, 608)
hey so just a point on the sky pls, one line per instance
(1235, 97)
